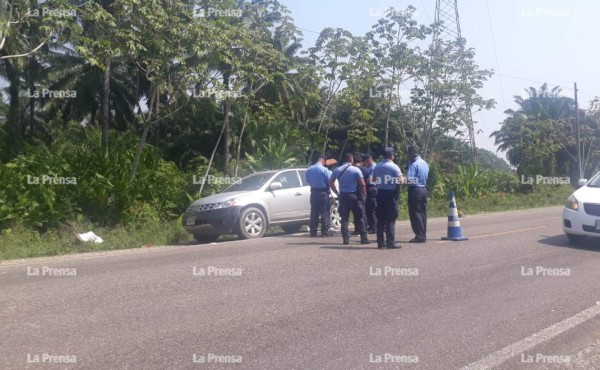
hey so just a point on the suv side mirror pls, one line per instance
(581, 182)
(275, 185)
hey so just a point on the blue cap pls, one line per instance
(389, 150)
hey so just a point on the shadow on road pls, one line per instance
(233, 237)
(591, 244)
(350, 248)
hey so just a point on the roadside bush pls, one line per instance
(104, 192)
(469, 181)
(503, 181)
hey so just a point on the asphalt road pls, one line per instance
(516, 295)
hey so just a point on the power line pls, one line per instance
(495, 52)
(306, 29)
(425, 11)
(551, 84)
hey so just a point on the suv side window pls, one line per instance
(288, 179)
(302, 174)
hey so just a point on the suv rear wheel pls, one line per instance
(252, 224)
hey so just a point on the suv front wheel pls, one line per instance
(252, 224)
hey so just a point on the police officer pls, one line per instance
(317, 176)
(351, 194)
(417, 175)
(371, 201)
(388, 177)
(358, 164)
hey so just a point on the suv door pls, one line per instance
(305, 190)
(289, 202)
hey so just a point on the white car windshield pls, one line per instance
(595, 182)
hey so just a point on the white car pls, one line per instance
(581, 216)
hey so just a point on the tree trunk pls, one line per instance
(138, 152)
(105, 104)
(31, 102)
(239, 146)
(14, 144)
(142, 143)
(227, 136)
(210, 162)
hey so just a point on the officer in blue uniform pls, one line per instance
(358, 164)
(371, 202)
(417, 175)
(317, 176)
(351, 194)
(388, 177)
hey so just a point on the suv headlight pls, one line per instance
(572, 203)
(227, 204)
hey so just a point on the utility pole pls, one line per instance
(578, 134)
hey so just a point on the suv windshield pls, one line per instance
(250, 183)
(595, 183)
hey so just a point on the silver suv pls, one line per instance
(249, 207)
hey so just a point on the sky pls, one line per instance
(525, 42)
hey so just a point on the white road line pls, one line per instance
(528, 343)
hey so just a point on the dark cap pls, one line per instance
(321, 156)
(389, 150)
(366, 157)
(357, 160)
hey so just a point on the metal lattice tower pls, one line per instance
(446, 14)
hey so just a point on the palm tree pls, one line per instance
(530, 134)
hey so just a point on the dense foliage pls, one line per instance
(540, 137)
(137, 99)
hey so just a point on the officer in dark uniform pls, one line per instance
(358, 164)
(351, 194)
(417, 175)
(388, 177)
(371, 201)
(317, 176)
